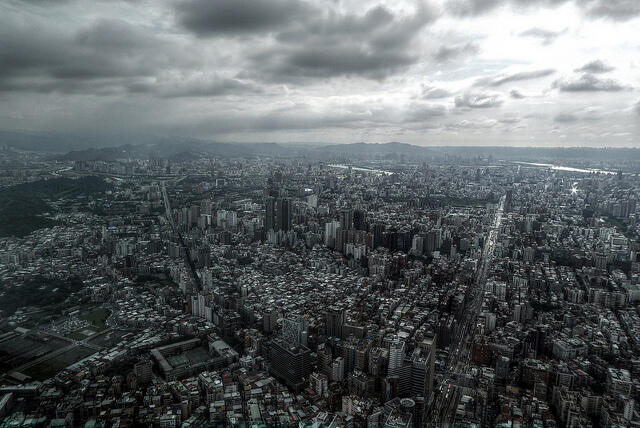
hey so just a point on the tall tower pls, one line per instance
(396, 355)
(283, 214)
(346, 219)
(270, 213)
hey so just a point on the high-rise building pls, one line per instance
(295, 330)
(269, 321)
(337, 370)
(378, 231)
(277, 214)
(508, 200)
(335, 319)
(143, 373)
(358, 219)
(396, 355)
(346, 219)
(290, 362)
(270, 213)
(283, 214)
(331, 231)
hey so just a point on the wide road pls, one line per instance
(459, 357)
(187, 254)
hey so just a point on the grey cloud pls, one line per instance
(588, 83)
(514, 77)
(478, 100)
(510, 119)
(565, 118)
(43, 60)
(637, 107)
(106, 57)
(584, 114)
(327, 61)
(547, 36)
(205, 17)
(620, 10)
(480, 7)
(597, 66)
(516, 94)
(422, 113)
(447, 53)
(373, 45)
(209, 86)
(472, 124)
(432, 92)
(117, 36)
(471, 7)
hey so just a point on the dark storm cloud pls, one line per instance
(588, 83)
(328, 61)
(106, 57)
(514, 77)
(546, 36)
(205, 17)
(447, 53)
(375, 45)
(41, 59)
(478, 100)
(597, 66)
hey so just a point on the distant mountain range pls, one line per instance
(115, 147)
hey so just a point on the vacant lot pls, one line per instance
(22, 349)
(97, 318)
(49, 368)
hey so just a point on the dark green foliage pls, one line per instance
(38, 292)
(63, 187)
(22, 206)
(20, 213)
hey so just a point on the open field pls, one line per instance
(97, 318)
(22, 349)
(51, 367)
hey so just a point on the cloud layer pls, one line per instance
(423, 71)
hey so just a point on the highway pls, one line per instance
(187, 253)
(458, 360)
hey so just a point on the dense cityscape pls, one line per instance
(335, 292)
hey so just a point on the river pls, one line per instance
(566, 168)
(357, 168)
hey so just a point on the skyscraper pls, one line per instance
(346, 219)
(295, 330)
(290, 363)
(270, 213)
(358, 219)
(283, 214)
(277, 214)
(335, 321)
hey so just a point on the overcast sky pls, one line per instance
(492, 72)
